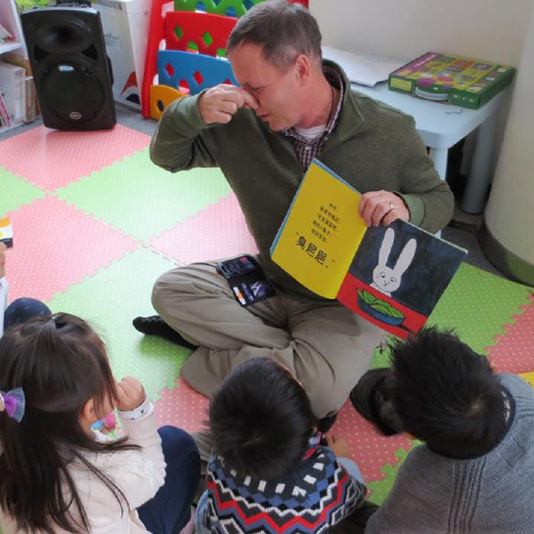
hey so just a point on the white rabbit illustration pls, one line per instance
(387, 279)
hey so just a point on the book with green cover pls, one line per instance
(460, 81)
(391, 275)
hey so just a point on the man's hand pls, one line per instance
(3, 249)
(339, 446)
(219, 104)
(382, 207)
(131, 394)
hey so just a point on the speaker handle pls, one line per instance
(73, 3)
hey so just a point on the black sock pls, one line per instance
(156, 326)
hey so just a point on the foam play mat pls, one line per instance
(95, 223)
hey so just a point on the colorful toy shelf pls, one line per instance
(229, 8)
(186, 49)
(192, 73)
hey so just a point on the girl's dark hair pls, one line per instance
(446, 394)
(261, 420)
(60, 363)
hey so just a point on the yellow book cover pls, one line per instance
(321, 232)
(529, 377)
(391, 275)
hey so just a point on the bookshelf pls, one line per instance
(9, 19)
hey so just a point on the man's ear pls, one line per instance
(302, 68)
(89, 411)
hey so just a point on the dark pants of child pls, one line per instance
(24, 309)
(169, 511)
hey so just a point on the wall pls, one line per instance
(493, 30)
(509, 214)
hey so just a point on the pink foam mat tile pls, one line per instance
(514, 350)
(182, 406)
(52, 158)
(57, 246)
(215, 232)
(370, 449)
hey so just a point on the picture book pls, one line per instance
(464, 82)
(6, 232)
(391, 275)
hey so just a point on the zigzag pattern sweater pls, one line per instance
(315, 495)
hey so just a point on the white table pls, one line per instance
(441, 126)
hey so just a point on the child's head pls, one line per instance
(62, 367)
(447, 395)
(261, 419)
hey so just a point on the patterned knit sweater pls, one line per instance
(315, 495)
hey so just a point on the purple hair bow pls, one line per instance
(14, 403)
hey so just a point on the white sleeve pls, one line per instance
(143, 472)
(4, 287)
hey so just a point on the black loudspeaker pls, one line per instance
(71, 70)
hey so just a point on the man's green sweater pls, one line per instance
(373, 147)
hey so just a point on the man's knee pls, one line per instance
(328, 392)
(160, 292)
(169, 288)
(326, 401)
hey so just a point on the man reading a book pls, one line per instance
(291, 106)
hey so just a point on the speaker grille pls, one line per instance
(72, 92)
(71, 70)
(68, 36)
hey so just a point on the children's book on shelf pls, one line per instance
(391, 275)
(13, 87)
(30, 110)
(468, 83)
(5, 36)
(5, 119)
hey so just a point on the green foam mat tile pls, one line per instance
(380, 489)
(15, 192)
(110, 300)
(143, 200)
(381, 355)
(478, 305)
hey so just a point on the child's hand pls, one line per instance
(339, 446)
(131, 394)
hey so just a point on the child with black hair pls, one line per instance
(55, 478)
(473, 473)
(269, 471)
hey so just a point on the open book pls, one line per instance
(391, 275)
(6, 232)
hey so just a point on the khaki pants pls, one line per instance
(327, 346)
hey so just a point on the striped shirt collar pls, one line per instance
(307, 150)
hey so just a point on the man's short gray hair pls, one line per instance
(283, 30)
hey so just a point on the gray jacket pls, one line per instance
(493, 494)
